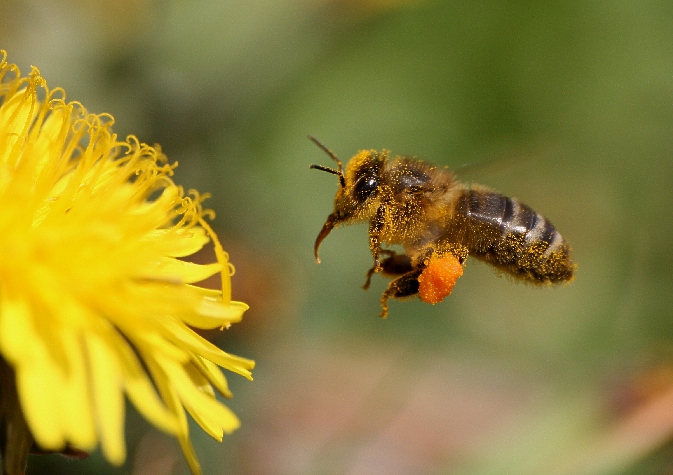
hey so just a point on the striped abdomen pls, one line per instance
(511, 236)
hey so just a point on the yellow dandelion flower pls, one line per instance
(95, 303)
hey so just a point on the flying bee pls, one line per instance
(439, 221)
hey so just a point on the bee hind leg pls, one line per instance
(404, 286)
(393, 266)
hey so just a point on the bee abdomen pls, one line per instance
(512, 236)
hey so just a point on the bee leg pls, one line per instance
(404, 286)
(394, 265)
(375, 227)
(376, 267)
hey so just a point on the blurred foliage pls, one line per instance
(567, 105)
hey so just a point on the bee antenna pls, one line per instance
(339, 172)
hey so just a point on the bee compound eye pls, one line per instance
(364, 187)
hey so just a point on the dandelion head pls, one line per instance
(97, 298)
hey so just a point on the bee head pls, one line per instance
(357, 184)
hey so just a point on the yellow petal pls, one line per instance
(175, 270)
(209, 351)
(178, 243)
(16, 330)
(107, 396)
(211, 415)
(214, 375)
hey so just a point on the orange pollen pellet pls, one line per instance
(438, 278)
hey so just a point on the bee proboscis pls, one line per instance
(439, 221)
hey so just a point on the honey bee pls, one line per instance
(438, 221)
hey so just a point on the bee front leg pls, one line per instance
(404, 286)
(375, 228)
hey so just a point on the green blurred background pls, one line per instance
(566, 105)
